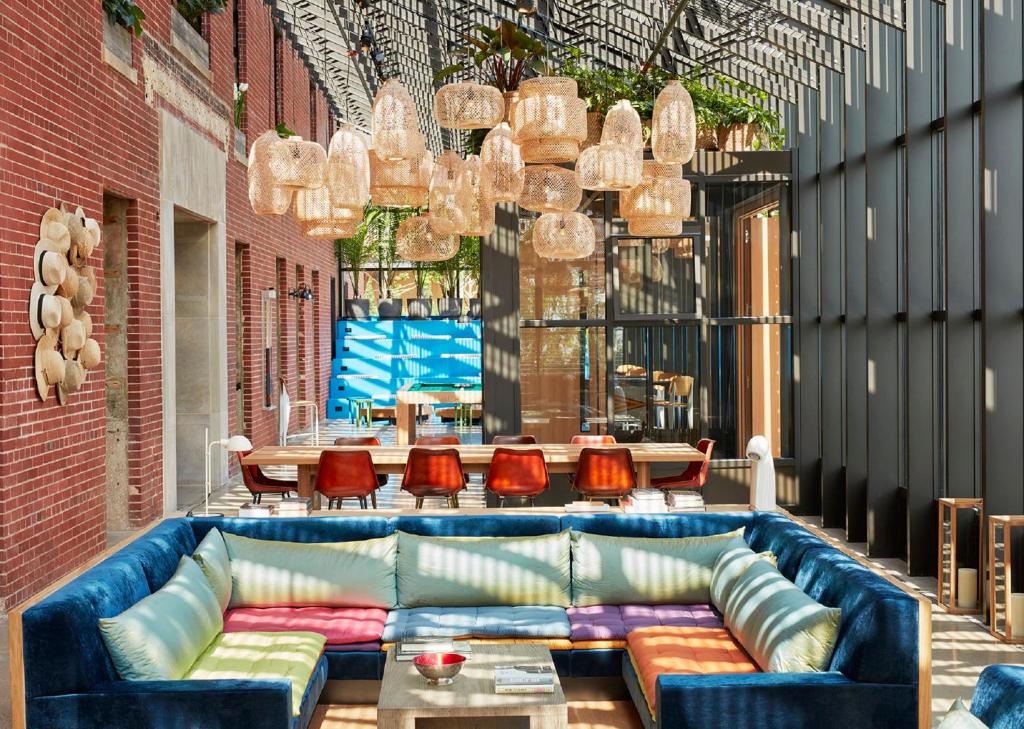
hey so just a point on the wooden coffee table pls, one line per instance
(405, 696)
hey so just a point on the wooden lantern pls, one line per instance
(1006, 607)
(960, 584)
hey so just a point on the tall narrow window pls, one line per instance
(278, 71)
(314, 132)
(237, 30)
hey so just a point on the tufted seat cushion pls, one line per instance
(339, 626)
(482, 622)
(663, 650)
(614, 622)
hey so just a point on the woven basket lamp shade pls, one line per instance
(348, 169)
(265, 197)
(503, 157)
(563, 236)
(673, 125)
(550, 189)
(297, 164)
(417, 241)
(610, 167)
(402, 182)
(396, 127)
(622, 126)
(475, 198)
(649, 227)
(468, 105)
(549, 121)
(446, 217)
(320, 218)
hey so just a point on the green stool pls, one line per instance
(463, 415)
(362, 407)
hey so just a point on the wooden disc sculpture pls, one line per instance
(400, 182)
(673, 125)
(550, 189)
(467, 105)
(297, 164)
(564, 236)
(396, 127)
(64, 285)
(417, 241)
(265, 197)
(505, 161)
(549, 121)
(474, 197)
(446, 216)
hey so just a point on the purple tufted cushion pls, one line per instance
(614, 622)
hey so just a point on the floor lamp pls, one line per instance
(234, 444)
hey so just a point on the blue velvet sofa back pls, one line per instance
(999, 698)
(64, 654)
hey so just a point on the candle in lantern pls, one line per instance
(1017, 614)
(967, 588)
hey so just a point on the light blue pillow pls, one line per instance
(162, 635)
(782, 629)
(958, 717)
(646, 570)
(483, 571)
(212, 556)
(727, 570)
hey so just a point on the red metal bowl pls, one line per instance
(439, 669)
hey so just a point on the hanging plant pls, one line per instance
(194, 10)
(126, 13)
(502, 55)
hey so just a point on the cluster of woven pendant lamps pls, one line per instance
(543, 124)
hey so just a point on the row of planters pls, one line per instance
(416, 308)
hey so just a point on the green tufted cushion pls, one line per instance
(291, 656)
(641, 570)
(782, 628)
(212, 556)
(483, 571)
(727, 570)
(160, 636)
(267, 573)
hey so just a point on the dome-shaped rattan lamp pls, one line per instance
(563, 236)
(396, 127)
(297, 164)
(648, 227)
(446, 217)
(402, 182)
(475, 198)
(673, 125)
(319, 218)
(622, 126)
(467, 105)
(550, 189)
(549, 122)
(656, 197)
(502, 155)
(417, 241)
(609, 167)
(264, 196)
(348, 169)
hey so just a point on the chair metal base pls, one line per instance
(453, 501)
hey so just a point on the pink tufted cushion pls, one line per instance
(340, 626)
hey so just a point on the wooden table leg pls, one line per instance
(307, 483)
(643, 475)
(405, 424)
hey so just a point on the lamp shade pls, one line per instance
(400, 182)
(467, 105)
(296, 163)
(548, 189)
(238, 444)
(564, 236)
(609, 167)
(331, 229)
(348, 169)
(505, 162)
(622, 126)
(655, 226)
(475, 198)
(265, 197)
(316, 206)
(446, 217)
(549, 121)
(417, 241)
(396, 127)
(673, 125)
(656, 197)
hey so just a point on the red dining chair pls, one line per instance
(431, 472)
(259, 483)
(501, 440)
(696, 473)
(593, 440)
(346, 474)
(436, 440)
(364, 440)
(517, 473)
(606, 474)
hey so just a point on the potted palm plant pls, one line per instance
(354, 253)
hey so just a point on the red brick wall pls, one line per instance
(72, 128)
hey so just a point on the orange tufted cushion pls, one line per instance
(666, 650)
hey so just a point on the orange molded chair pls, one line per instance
(513, 440)
(434, 473)
(696, 473)
(517, 473)
(593, 440)
(435, 440)
(348, 474)
(604, 473)
(259, 483)
(364, 440)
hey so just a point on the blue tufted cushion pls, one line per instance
(325, 529)
(160, 549)
(485, 622)
(478, 526)
(999, 697)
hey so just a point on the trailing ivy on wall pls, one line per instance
(126, 13)
(194, 10)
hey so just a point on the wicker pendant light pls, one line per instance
(673, 125)
(549, 121)
(264, 196)
(622, 126)
(609, 167)
(297, 164)
(549, 189)
(320, 218)
(649, 227)
(563, 236)
(417, 241)
(402, 182)
(468, 105)
(330, 230)
(475, 198)
(396, 127)
(348, 169)
(502, 155)
(446, 216)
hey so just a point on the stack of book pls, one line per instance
(584, 506)
(645, 501)
(524, 679)
(685, 501)
(294, 506)
(256, 510)
(409, 649)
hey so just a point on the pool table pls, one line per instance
(429, 393)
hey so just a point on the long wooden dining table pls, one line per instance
(560, 458)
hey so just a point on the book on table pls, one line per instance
(406, 650)
(529, 679)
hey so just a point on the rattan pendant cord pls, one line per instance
(297, 164)
(467, 105)
(503, 156)
(550, 189)
(265, 197)
(348, 169)
(563, 236)
(673, 125)
(396, 127)
(475, 198)
(446, 217)
(417, 241)
(549, 122)
(402, 182)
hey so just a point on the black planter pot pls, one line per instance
(449, 308)
(419, 308)
(357, 309)
(389, 308)
(474, 308)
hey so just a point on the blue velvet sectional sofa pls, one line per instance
(999, 697)
(873, 679)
